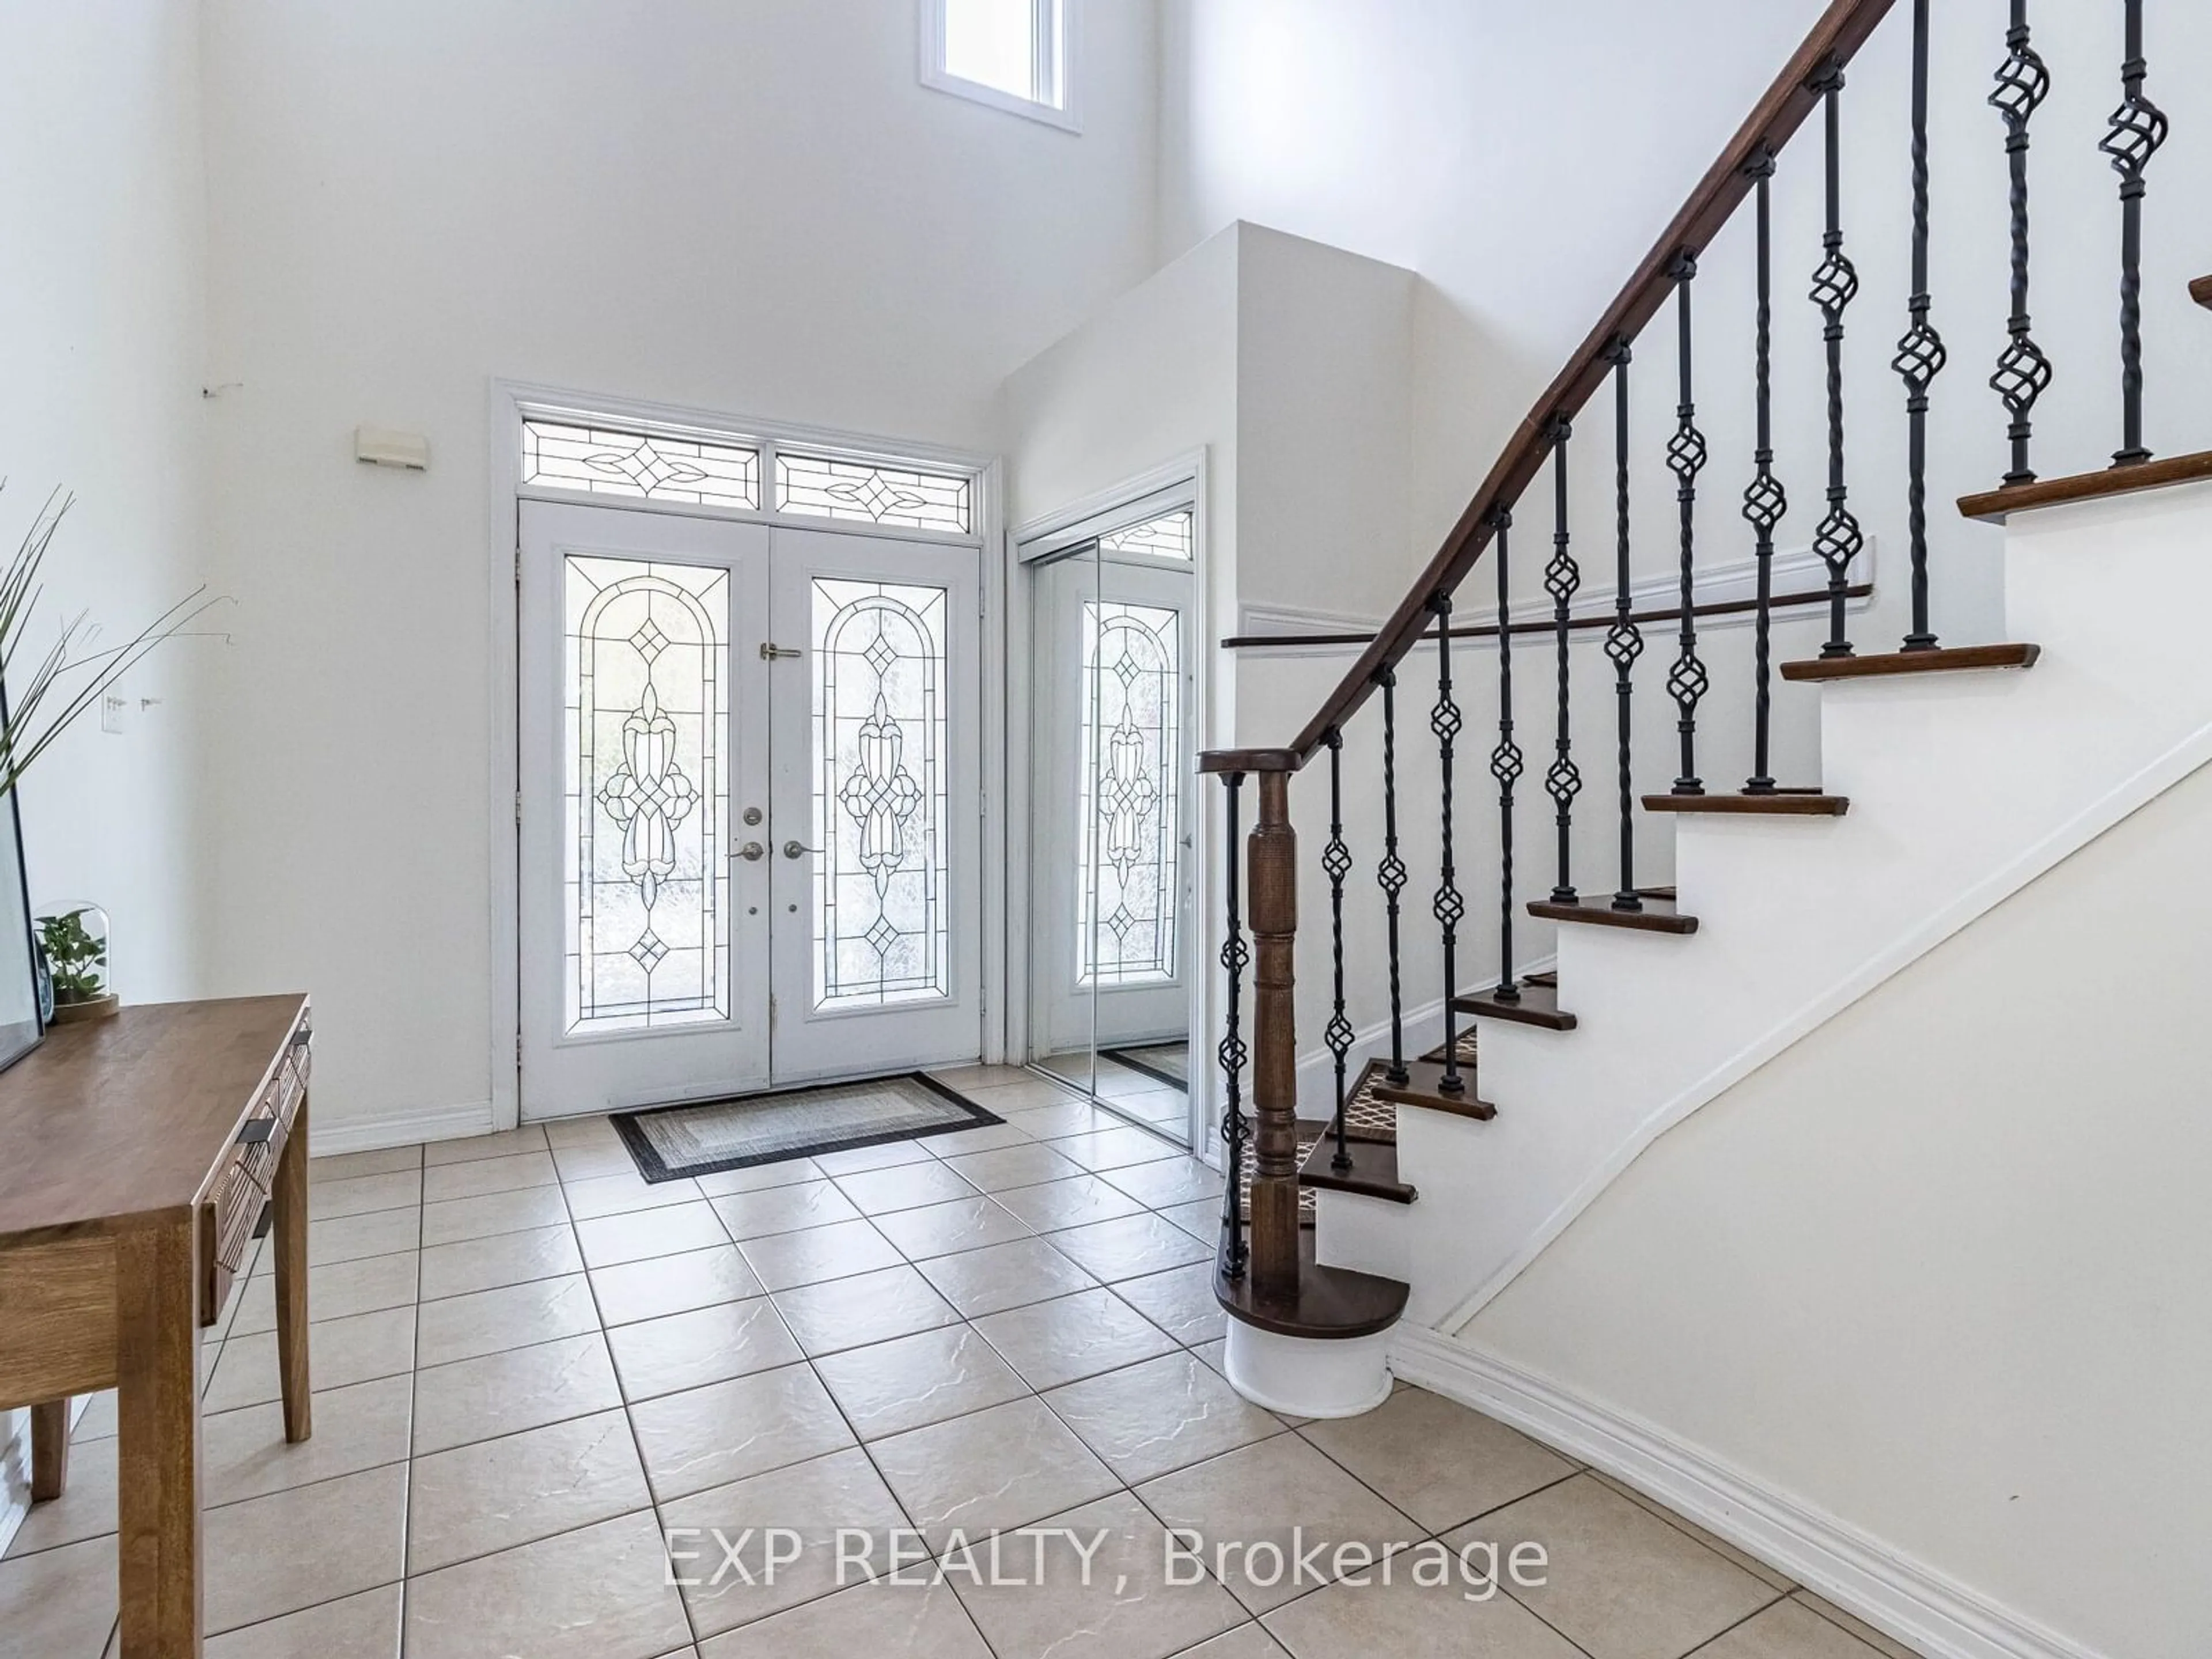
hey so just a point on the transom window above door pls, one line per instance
(675, 468)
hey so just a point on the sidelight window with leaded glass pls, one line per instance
(1131, 815)
(646, 684)
(881, 905)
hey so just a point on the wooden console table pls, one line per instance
(137, 1155)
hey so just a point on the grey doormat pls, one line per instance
(706, 1137)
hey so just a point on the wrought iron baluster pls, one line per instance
(1686, 457)
(1835, 285)
(2138, 128)
(1336, 864)
(1623, 640)
(1920, 355)
(2022, 370)
(1390, 874)
(1562, 781)
(1505, 763)
(1450, 907)
(1764, 500)
(1236, 1132)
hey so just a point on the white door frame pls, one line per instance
(509, 403)
(1181, 481)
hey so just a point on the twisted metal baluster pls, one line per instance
(1450, 907)
(1505, 763)
(1390, 874)
(1562, 781)
(1623, 640)
(2138, 128)
(1336, 864)
(1920, 355)
(1236, 1132)
(1686, 457)
(2022, 370)
(1764, 500)
(1835, 285)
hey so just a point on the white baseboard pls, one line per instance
(1925, 1609)
(370, 1134)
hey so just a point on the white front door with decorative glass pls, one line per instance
(749, 807)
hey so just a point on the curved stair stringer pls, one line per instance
(1964, 788)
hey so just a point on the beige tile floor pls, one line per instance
(531, 1366)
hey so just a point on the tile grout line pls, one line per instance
(629, 1422)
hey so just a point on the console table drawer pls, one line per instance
(231, 1214)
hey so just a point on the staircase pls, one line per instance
(1951, 774)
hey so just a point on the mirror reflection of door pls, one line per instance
(1111, 876)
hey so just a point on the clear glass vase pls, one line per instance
(74, 937)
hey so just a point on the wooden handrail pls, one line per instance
(1835, 39)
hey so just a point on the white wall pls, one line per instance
(101, 329)
(1938, 1270)
(101, 325)
(1290, 363)
(752, 208)
(1522, 160)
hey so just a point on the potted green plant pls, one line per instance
(76, 941)
(44, 687)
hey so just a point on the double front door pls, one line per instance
(749, 807)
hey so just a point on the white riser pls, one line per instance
(1963, 788)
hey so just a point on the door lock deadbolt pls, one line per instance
(752, 816)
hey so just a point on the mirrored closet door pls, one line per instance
(1111, 788)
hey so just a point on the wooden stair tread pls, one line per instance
(1422, 1077)
(1373, 1173)
(1993, 504)
(1542, 976)
(1783, 803)
(1329, 1304)
(1945, 659)
(1538, 1003)
(2201, 291)
(1657, 914)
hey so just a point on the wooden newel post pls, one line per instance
(1272, 868)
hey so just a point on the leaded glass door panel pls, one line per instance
(876, 804)
(644, 729)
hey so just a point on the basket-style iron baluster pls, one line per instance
(1686, 457)
(1390, 875)
(1920, 354)
(2022, 370)
(1562, 781)
(2138, 128)
(1835, 285)
(1506, 764)
(1236, 1130)
(1450, 907)
(1764, 500)
(1336, 864)
(1623, 640)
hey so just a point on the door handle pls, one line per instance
(773, 653)
(752, 852)
(793, 849)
